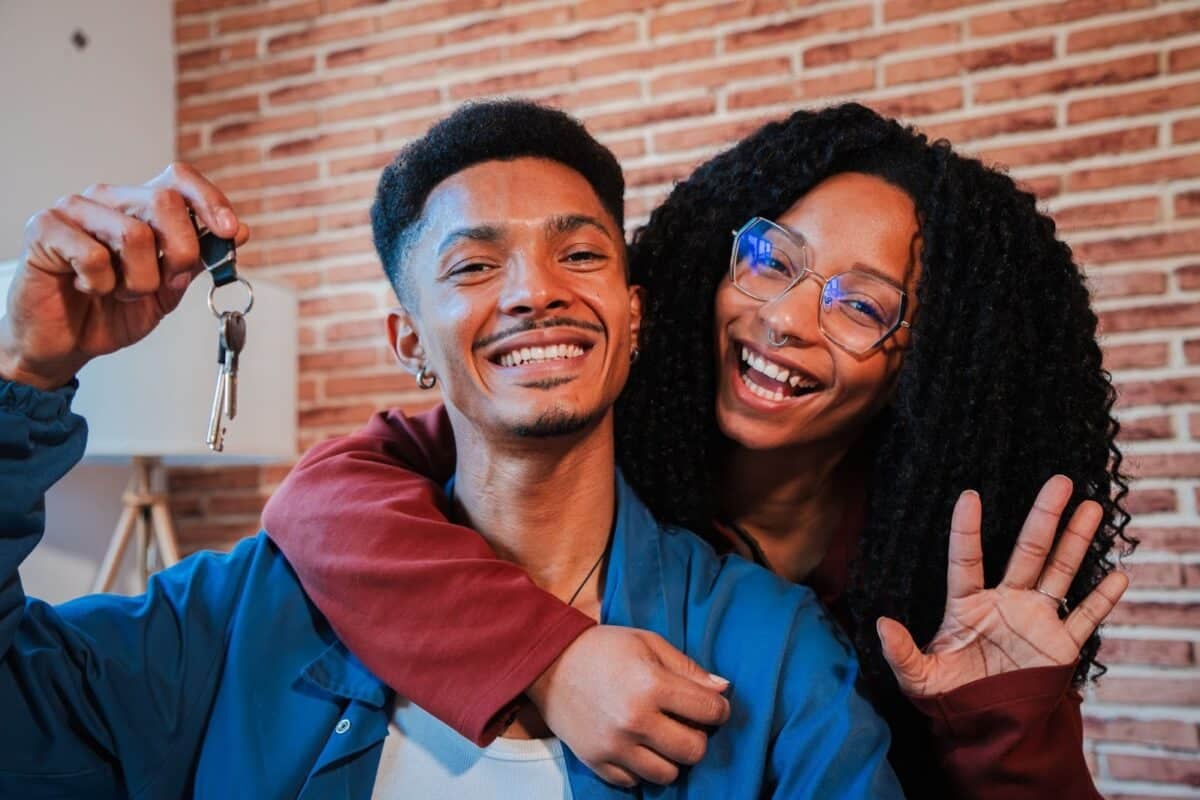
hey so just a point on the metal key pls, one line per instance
(233, 339)
(216, 433)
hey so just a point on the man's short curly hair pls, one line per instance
(497, 130)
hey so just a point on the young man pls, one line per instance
(223, 680)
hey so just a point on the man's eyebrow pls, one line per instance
(477, 233)
(567, 223)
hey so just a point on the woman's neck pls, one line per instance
(790, 502)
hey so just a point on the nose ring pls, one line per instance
(775, 340)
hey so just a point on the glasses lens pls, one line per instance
(858, 310)
(766, 260)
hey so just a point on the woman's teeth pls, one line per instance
(534, 355)
(775, 372)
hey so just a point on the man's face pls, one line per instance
(523, 309)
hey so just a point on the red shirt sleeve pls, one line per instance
(424, 603)
(1012, 736)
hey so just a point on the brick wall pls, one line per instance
(295, 105)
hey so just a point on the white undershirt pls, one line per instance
(424, 757)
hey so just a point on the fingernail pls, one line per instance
(228, 221)
(180, 281)
(717, 680)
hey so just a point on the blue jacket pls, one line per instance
(223, 680)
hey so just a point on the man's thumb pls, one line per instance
(900, 651)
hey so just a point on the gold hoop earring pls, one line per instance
(425, 378)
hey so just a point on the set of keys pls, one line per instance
(220, 260)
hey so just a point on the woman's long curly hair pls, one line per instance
(1001, 387)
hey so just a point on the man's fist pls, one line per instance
(100, 270)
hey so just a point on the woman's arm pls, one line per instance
(431, 610)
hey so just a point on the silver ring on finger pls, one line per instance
(1061, 602)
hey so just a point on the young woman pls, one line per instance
(896, 324)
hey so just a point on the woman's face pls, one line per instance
(849, 221)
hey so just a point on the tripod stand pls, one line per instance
(146, 517)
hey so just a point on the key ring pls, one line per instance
(249, 298)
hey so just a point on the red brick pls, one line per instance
(1165, 732)
(1021, 19)
(244, 78)
(512, 82)
(315, 251)
(183, 479)
(410, 14)
(371, 163)
(841, 19)
(1064, 150)
(216, 110)
(720, 75)
(650, 114)
(360, 191)
(1151, 652)
(279, 15)
(355, 273)
(592, 9)
(918, 104)
(645, 58)
(186, 7)
(1042, 187)
(1153, 501)
(355, 329)
(187, 32)
(1107, 73)
(1188, 276)
(1165, 465)
(1092, 216)
(1136, 356)
(279, 229)
(1194, 426)
(188, 60)
(797, 90)
(267, 178)
(975, 127)
(213, 161)
(706, 17)
(1157, 317)
(317, 90)
(1170, 539)
(330, 360)
(388, 383)
(1166, 615)
(929, 68)
(1151, 29)
(321, 34)
(1187, 204)
(1135, 248)
(1185, 130)
(568, 45)
(336, 303)
(280, 124)
(626, 149)
(340, 220)
(1150, 101)
(1126, 284)
(380, 51)
(324, 416)
(307, 391)
(862, 48)
(905, 9)
(658, 174)
(226, 504)
(1184, 59)
(186, 142)
(1125, 767)
(1191, 351)
(502, 26)
(1145, 173)
(576, 100)
(1166, 391)
(1147, 428)
(706, 135)
(323, 143)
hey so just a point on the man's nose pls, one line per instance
(533, 286)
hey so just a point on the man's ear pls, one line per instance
(405, 340)
(637, 300)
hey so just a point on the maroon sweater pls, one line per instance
(430, 609)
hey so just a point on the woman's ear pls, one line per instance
(637, 301)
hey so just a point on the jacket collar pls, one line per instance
(338, 672)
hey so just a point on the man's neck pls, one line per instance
(546, 504)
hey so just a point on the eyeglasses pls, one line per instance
(857, 311)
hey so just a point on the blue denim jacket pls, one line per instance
(224, 681)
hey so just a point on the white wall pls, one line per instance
(72, 117)
(75, 117)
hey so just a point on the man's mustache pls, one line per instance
(533, 325)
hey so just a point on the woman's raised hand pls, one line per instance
(1015, 625)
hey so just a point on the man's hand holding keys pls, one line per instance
(101, 269)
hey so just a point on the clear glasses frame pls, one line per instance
(822, 301)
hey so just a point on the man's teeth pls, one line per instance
(533, 355)
(775, 372)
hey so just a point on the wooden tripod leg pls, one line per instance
(116, 548)
(164, 533)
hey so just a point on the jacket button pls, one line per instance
(342, 726)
